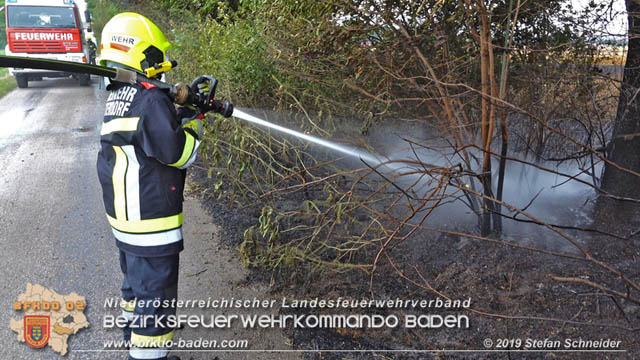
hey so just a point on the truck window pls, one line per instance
(40, 17)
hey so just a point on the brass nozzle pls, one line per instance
(180, 93)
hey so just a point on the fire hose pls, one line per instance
(180, 93)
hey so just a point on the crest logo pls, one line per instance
(36, 330)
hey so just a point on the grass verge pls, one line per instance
(7, 83)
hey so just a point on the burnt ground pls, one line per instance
(499, 279)
(513, 295)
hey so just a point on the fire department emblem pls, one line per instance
(36, 330)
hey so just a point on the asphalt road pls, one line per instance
(53, 231)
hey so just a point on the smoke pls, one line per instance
(546, 195)
(404, 151)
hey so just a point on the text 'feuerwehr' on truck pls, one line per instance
(50, 29)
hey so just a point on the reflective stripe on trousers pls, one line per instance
(154, 239)
(136, 353)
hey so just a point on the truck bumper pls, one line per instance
(36, 73)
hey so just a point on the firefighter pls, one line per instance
(141, 166)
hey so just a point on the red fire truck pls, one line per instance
(52, 29)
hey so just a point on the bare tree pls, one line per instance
(621, 177)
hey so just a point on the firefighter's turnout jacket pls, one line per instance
(141, 166)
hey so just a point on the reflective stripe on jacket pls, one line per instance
(144, 151)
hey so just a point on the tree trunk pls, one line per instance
(488, 115)
(625, 142)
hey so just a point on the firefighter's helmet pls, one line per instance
(133, 40)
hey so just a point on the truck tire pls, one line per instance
(23, 81)
(84, 79)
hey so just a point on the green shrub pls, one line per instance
(230, 48)
(101, 12)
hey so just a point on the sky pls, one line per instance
(618, 11)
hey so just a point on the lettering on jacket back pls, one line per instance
(119, 101)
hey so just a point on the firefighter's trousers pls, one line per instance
(149, 288)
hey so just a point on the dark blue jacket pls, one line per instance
(141, 166)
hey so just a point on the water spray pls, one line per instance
(349, 151)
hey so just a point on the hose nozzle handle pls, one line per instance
(182, 95)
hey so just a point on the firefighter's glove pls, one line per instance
(194, 124)
(202, 88)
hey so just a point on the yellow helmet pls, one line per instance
(133, 40)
